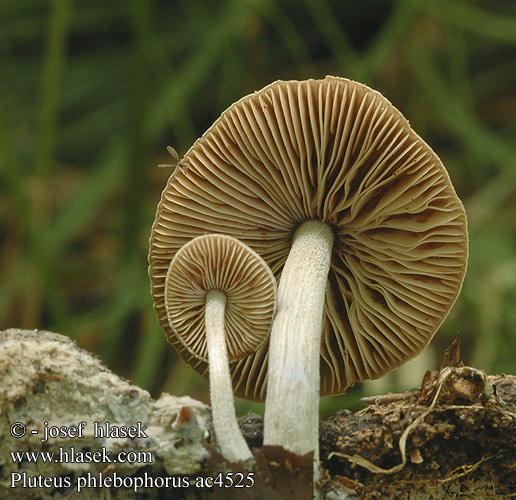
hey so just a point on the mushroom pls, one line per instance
(355, 215)
(220, 298)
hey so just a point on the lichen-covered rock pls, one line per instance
(82, 424)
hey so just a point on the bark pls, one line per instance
(455, 436)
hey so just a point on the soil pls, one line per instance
(455, 437)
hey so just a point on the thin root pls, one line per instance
(363, 462)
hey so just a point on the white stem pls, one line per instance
(293, 380)
(229, 437)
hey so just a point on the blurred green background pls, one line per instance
(91, 93)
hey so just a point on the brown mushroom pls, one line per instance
(327, 168)
(220, 298)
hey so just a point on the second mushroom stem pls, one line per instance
(229, 437)
(293, 383)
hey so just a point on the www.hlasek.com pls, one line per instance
(103, 456)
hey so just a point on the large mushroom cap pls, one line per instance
(336, 151)
(220, 262)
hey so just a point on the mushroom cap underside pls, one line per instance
(331, 150)
(220, 262)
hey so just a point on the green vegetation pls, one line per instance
(91, 93)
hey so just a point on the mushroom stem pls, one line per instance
(293, 380)
(229, 437)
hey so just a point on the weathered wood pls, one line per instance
(454, 436)
(45, 377)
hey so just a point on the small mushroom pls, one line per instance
(355, 215)
(220, 298)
